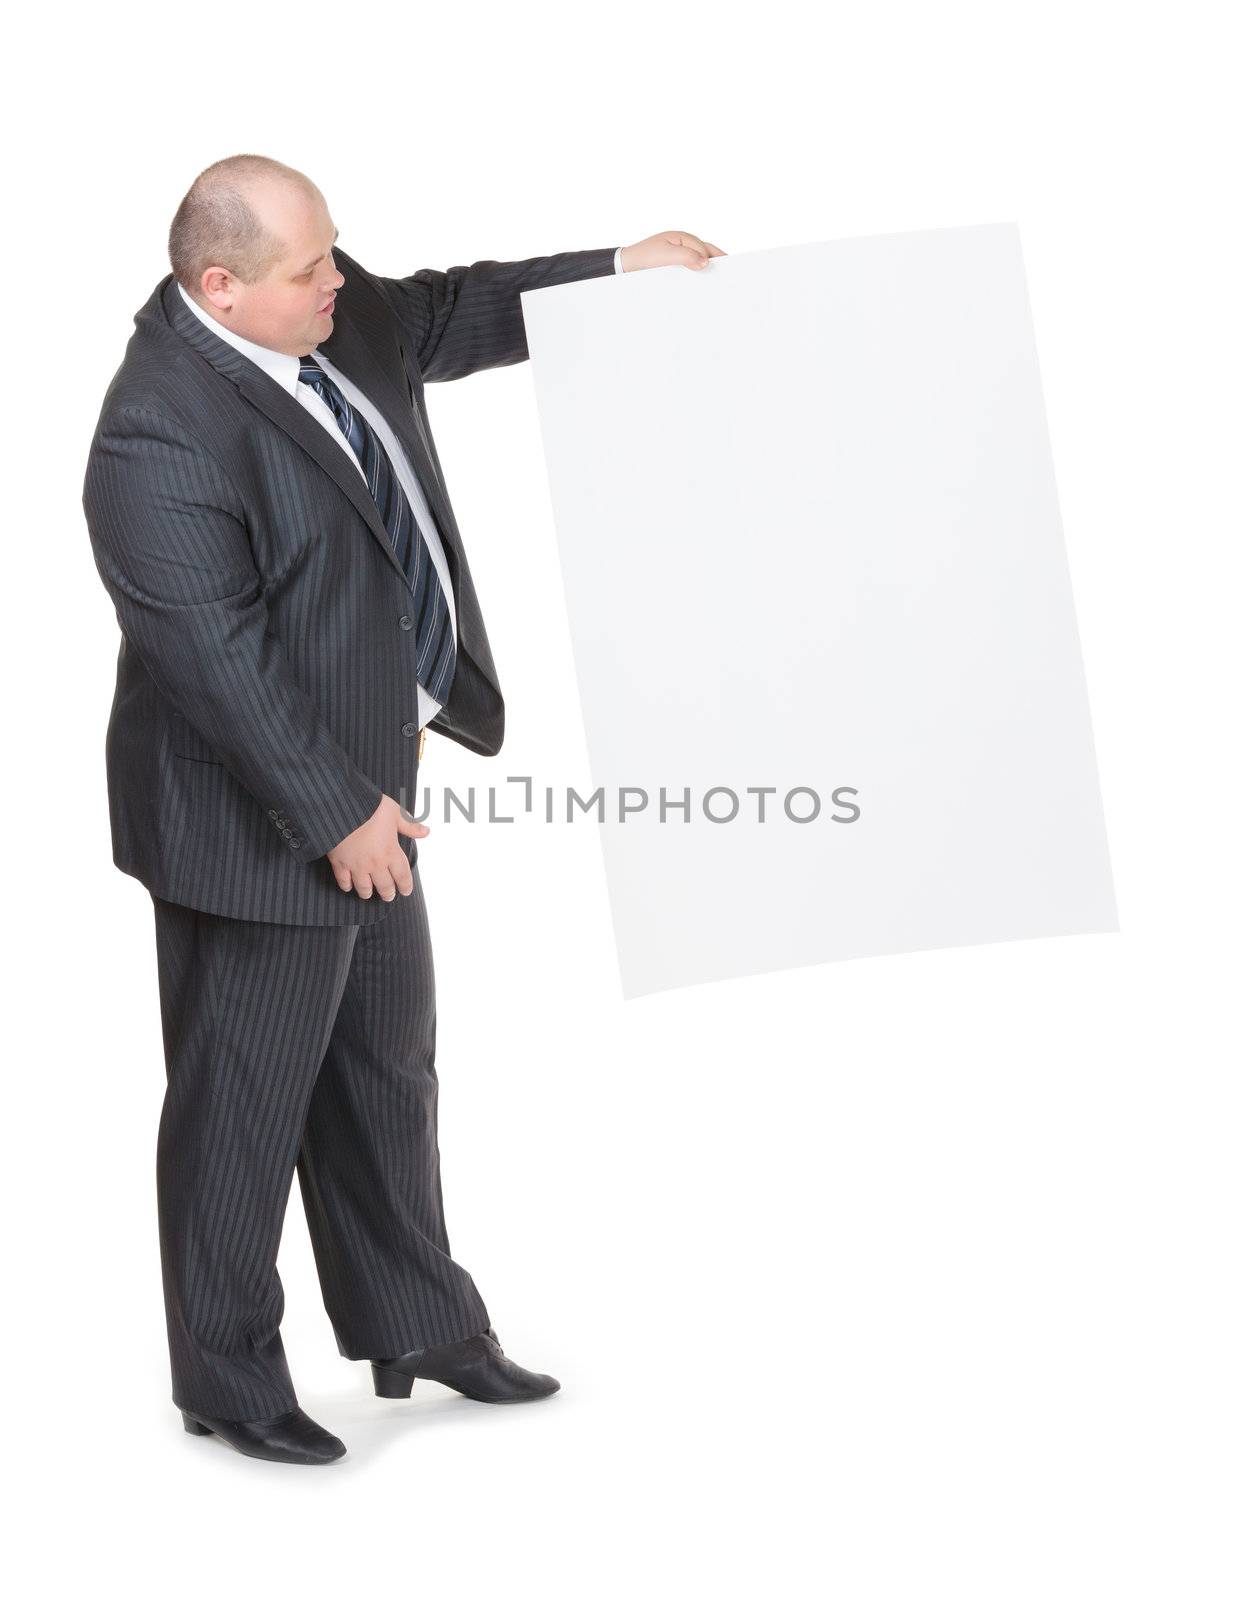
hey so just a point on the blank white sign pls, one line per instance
(811, 545)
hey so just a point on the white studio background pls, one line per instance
(913, 1276)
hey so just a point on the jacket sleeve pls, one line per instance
(170, 542)
(469, 318)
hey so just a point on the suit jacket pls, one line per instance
(266, 686)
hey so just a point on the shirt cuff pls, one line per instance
(616, 260)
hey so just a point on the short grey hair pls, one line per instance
(215, 225)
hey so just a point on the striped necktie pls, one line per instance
(434, 637)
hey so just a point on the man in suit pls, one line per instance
(269, 516)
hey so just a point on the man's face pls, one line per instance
(290, 309)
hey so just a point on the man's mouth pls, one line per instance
(329, 306)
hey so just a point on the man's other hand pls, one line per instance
(669, 249)
(371, 858)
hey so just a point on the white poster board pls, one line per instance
(810, 539)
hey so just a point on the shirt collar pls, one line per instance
(282, 368)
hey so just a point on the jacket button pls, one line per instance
(409, 729)
(286, 833)
(406, 622)
(295, 841)
(274, 814)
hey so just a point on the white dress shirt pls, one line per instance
(285, 370)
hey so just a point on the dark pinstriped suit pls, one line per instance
(266, 699)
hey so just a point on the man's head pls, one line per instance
(252, 243)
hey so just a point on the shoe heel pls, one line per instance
(192, 1426)
(389, 1384)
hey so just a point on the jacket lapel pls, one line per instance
(283, 409)
(393, 395)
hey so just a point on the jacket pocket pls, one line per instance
(184, 741)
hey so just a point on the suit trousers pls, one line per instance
(309, 1050)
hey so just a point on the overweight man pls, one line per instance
(269, 516)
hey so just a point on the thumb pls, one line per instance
(408, 825)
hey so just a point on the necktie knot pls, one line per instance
(310, 372)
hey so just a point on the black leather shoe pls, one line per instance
(292, 1437)
(475, 1366)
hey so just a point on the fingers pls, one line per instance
(383, 878)
(696, 252)
(402, 873)
(679, 249)
(395, 877)
(379, 881)
(384, 883)
(693, 250)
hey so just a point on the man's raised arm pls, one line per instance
(468, 319)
